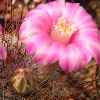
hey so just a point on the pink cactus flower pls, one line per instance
(63, 32)
(3, 52)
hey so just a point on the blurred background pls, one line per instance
(82, 85)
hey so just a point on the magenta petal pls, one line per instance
(36, 42)
(87, 24)
(95, 51)
(82, 19)
(70, 10)
(40, 59)
(41, 55)
(65, 61)
(79, 15)
(51, 9)
(60, 4)
(74, 57)
(0, 29)
(3, 53)
(30, 48)
(42, 16)
(82, 52)
(90, 34)
(66, 65)
(31, 27)
(27, 30)
(95, 48)
(54, 52)
(92, 47)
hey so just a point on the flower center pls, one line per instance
(62, 31)
(63, 28)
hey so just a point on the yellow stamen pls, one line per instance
(64, 28)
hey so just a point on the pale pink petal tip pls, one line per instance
(0, 32)
(60, 3)
(3, 53)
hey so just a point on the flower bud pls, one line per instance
(23, 80)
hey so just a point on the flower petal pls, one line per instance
(70, 10)
(3, 53)
(69, 59)
(96, 52)
(31, 25)
(90, 34)
(82, 52)
(54, 52)
(52, 9)
(36, 42)
(82, 19)
(93, 47)
(28, 29)
(0, 29)
(41, 55)
(60, 5)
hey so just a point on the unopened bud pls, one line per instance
(23, 80)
